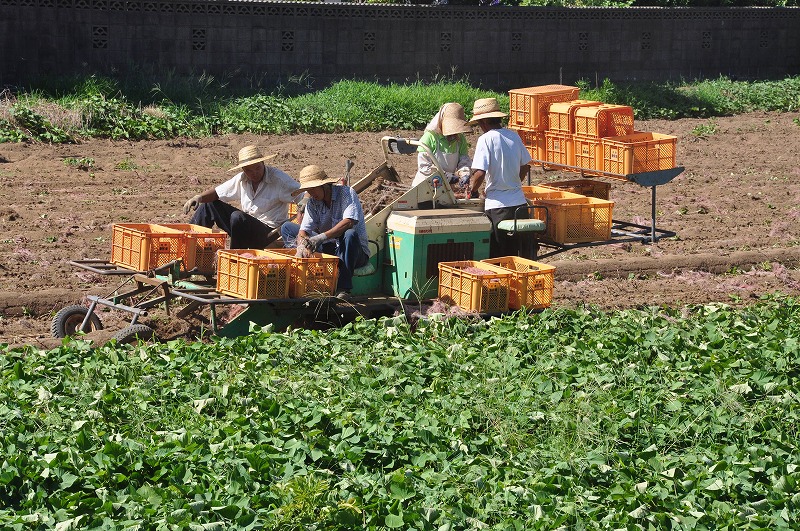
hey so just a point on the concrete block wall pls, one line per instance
(264, 43)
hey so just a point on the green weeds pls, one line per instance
(80, 163)
(127, 165)
(204, 106)
(705, 130)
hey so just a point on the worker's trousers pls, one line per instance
(246, 232)
(501, 244)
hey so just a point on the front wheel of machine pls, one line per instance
(133, 334)
(67, 321)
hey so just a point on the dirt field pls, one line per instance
(735, 209)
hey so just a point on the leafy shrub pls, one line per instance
(37, 126)
(10, 133)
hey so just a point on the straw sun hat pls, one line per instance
(251, 155)
(486, 108)
(311, 177)
(453, 120)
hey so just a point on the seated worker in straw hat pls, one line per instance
(333, 223)
(444, 136)
(264, 193)
(501, 160)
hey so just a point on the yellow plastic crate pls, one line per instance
(145, 246)
(534, 142)
(577, 220)
(587, 154)
(562, 114)
(529, 107)
(559, 148)
(604, 120)
(202, 245)
(253, 274)
(537, 193)
(531, 282)
(313, 276)
(587, 187)
(461, 284)
(638, 153)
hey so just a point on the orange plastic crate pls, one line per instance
(145, 246)
(587, 153)
(535, 143)
(604, 120)
(253, 274)
(638, 153)
(202, 245)
(531, 282)
(559, 148)
(537, 193)
(529, 107)
(581, 220)
(472, 291)
(587, 187)
(562, 114)
(313, 276)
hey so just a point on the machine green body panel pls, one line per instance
(372, 283)
(417, 240)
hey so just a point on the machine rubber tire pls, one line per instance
(135, 333)
(67, 321)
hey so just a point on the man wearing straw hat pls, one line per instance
(264, 193)
(501, 160)
(333, 223)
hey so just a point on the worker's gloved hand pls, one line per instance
(303, 250)
(452, 178)
(191, 204)
(463, 176)
(315, 242)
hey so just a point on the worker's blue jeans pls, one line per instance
(246, 232)
(347, 247)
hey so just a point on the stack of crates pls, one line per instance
(591, 125)
(559, 136)
(147, 246)
(529, 115)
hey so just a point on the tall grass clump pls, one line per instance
(346, 106)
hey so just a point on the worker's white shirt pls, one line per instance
(269, 203)
(501, 154)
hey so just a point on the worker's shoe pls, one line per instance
(343, 295)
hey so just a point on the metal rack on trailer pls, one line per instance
(142, 291)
